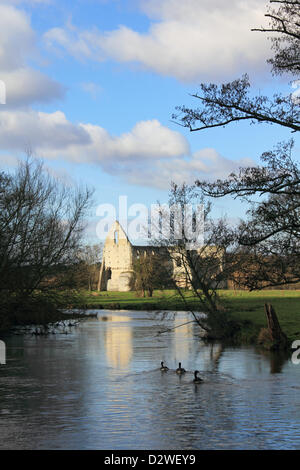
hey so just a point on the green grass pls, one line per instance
(161, 300)
(247, 308)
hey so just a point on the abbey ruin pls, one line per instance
(118, 258)
(119, 255)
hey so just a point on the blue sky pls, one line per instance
(92, 84)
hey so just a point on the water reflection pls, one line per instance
(101, 388)
(277, 360)
(181, 340)
(118, 341)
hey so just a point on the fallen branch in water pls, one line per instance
(177, 326)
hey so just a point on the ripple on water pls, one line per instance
(101, 388)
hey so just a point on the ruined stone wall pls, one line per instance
(117, 259)
(119, 255)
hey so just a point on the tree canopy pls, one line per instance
(41, 226)
(271, 232)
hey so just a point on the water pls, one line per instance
(100, 387)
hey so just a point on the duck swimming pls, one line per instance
(197, 380)
(180, 370)
(162, 367)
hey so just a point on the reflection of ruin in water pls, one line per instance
(118, 340)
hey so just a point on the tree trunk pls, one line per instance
(150, 292)
(100, 276)
(272, 337)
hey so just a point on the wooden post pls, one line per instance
(277, 339)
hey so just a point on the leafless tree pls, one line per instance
(151, 271)
(232, 102)
(201, 269)
(88, 269)
(285, 29)
(270, 236)
(41, 225)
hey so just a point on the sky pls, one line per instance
(91, 86)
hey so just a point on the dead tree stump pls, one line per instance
(272, 337)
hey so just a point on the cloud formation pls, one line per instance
(178, 43)
(24, 85)
(51, 135)
(150, 154)
(205, 164)
(189, 40)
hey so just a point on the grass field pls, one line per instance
(245, 307)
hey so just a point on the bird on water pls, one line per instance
(197, 379)
(180, 370)
(162, 367)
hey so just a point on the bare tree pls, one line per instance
(232, 102)
(201, 269)
(270, 235)
(88, 270)
(285, 29)
(151, 271)
(41, 225)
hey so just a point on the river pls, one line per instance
(100, 387)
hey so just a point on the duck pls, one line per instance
(197, 379)
(162, 367)
(180, 370)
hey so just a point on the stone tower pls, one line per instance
(119, 254)
(116, 269)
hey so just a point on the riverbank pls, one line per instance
(38, 311)
(246, 308)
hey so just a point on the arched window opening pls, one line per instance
(116, 237)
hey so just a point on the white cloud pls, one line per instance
(148, 140)
(181, 42)
(190, 40)
(24, 84)
(51, 135)
(150, 154)
(205, 164)
(16, 38)
(39, 131)
(79, 44)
